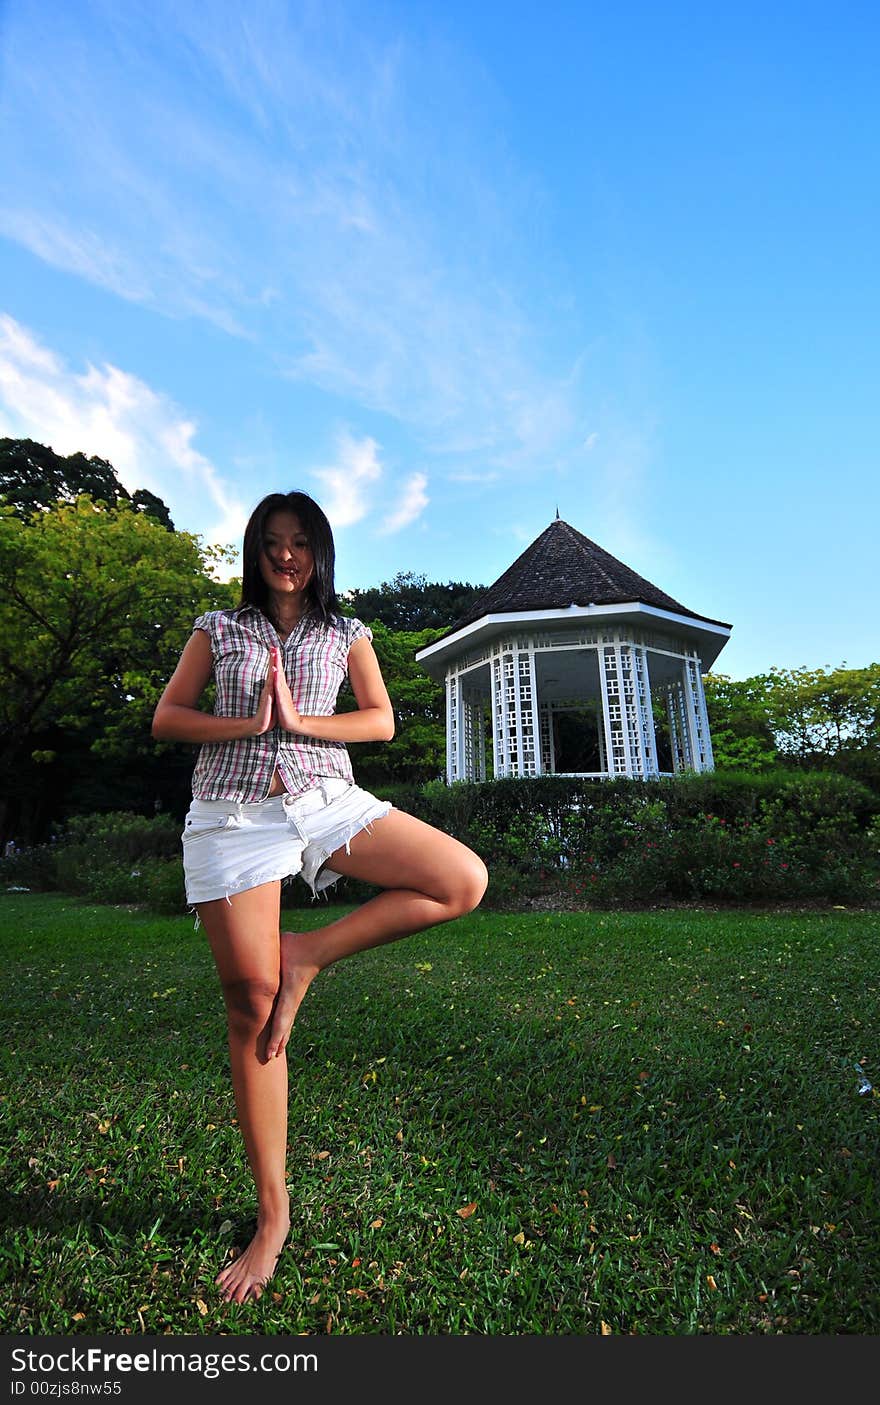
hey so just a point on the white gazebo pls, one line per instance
(559, 662)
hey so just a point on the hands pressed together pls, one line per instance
(276, 706)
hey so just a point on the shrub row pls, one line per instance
(772, 838)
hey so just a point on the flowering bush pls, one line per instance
(781, 837)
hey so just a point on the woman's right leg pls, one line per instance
(244, 937)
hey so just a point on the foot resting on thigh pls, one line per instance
(297, 974)
(245, 1278)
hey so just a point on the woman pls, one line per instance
(273, 795)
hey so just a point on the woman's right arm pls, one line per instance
(178, 717)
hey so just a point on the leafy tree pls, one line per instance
(810, 717)
(822, 713)
(33, 478)
(410, 602)
(417, 751)
(741, 721)
(95, 606)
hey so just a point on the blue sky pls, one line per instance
(450, 267)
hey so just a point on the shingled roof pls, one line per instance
(562, 568)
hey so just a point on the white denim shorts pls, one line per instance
(229, 847)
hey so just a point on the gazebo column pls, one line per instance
(679, 734)
(630, 748)
(514, 712)
(645, 711)
(612, 713)
(527, 739)
(500, 733)
(548, 748)
(481, 742)
(474, 738)
(455, 731)
(698, 717)
(689, 720)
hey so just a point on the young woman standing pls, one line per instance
(274, 795)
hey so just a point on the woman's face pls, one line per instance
(286, 561)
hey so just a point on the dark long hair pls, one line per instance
(322, 589)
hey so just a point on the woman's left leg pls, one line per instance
(427, 877)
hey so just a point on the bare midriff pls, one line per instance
(277, 786)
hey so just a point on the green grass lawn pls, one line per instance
(566, 1123)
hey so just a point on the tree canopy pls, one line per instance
(33, 478)
(411, 602)
(95, 606)
(417, 751)
(809, 717)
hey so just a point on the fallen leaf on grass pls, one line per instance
(467, 1210)
(519, 1238)
(79, 1316)
(611, 1162)
(716, 1248)
(605, 1329)
(712, 1284)
(377, 1223)
(322, 1155)
(202, 1306)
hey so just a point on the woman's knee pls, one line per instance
(468, 884)
(249, 1004)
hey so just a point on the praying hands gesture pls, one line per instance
(276, 706)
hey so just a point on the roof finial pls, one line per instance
(558, 518)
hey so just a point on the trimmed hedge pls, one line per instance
(776, 837)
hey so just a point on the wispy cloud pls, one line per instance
(106, 411)
(347, 481)
(80, 251)
(265, 169)
(412, 504)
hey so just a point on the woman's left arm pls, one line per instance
(373, 720)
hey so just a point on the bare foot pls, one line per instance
(297, 974)
(246, 1277)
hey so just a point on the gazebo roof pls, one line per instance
(563, 568)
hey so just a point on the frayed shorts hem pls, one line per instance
(229, 848)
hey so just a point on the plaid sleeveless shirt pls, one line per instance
(315, 662)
